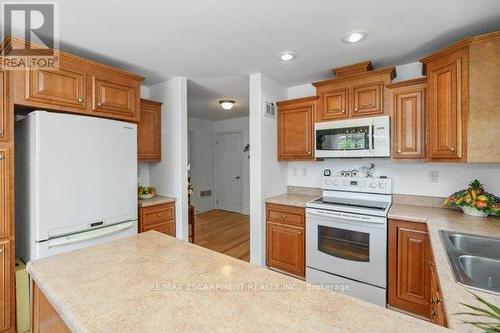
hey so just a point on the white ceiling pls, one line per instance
(216, 38)
(204, 95)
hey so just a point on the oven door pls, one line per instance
(349, 245)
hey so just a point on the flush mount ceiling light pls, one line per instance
(287, 56)
(227, 104)
(354, 36)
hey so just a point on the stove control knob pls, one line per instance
(382, 185)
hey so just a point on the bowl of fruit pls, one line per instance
(475, 201)
(146, 192)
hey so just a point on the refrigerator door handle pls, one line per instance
(88, 235)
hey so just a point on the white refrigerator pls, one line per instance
(76, 182)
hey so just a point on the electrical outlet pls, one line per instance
(434, 176)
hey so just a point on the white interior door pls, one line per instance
(228, 171)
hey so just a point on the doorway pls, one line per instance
(228, 171)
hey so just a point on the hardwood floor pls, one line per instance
(224, 232)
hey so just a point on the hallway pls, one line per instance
(224, 232)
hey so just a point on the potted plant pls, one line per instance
(146, 192)
(475, 201)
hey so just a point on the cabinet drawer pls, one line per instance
(163, 227)
(159, 213)
(286, 214)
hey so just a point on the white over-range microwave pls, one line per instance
(361, 137)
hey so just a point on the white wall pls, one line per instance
(408, 177)
(242, 125)
(170, 175)
(267, 176)
(202, 136)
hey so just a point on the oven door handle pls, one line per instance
(347, 216)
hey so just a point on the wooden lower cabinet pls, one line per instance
(409, 268)
(5, 286)
(45, 318)
(437, 313)
(285, 235)
(159, 217)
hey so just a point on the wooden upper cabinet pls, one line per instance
(335, 103)
(149, 132)
(296, 129)
(63, 87)
(5, 291)
(4, 192)
(447, 106)
(77, 85)
(408, 119)
(367, 99)
(3, 106)
(357, 91)
(409, 267)
(115, 98)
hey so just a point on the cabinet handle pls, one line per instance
(80, 100)
(343, 111)
(1, 251)
(300, 232)
(284, 216)
(98, 103)
(356, 109)
(434, 314)
(1, 156)
(452, 149)
(159, 214)
(399, 151)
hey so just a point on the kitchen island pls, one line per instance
(152, 282)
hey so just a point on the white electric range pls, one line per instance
(346, 230)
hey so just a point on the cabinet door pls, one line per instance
(296, 131)
(437, 314)
(114, 98)
(367, 99)
(445, 109)
(409, 270)
(3, 107)
(5, 274)
(149, 132)
(334, 104)
(285, 248)
(62, 87)
(4, 192)
(408, 124)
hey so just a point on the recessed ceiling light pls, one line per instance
(227, 104)
(354, 36)
(287, 56)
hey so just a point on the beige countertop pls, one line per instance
(291, 199)
(156, 200)
(452, 220)
(153, 282)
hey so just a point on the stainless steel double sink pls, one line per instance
(475, 260)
